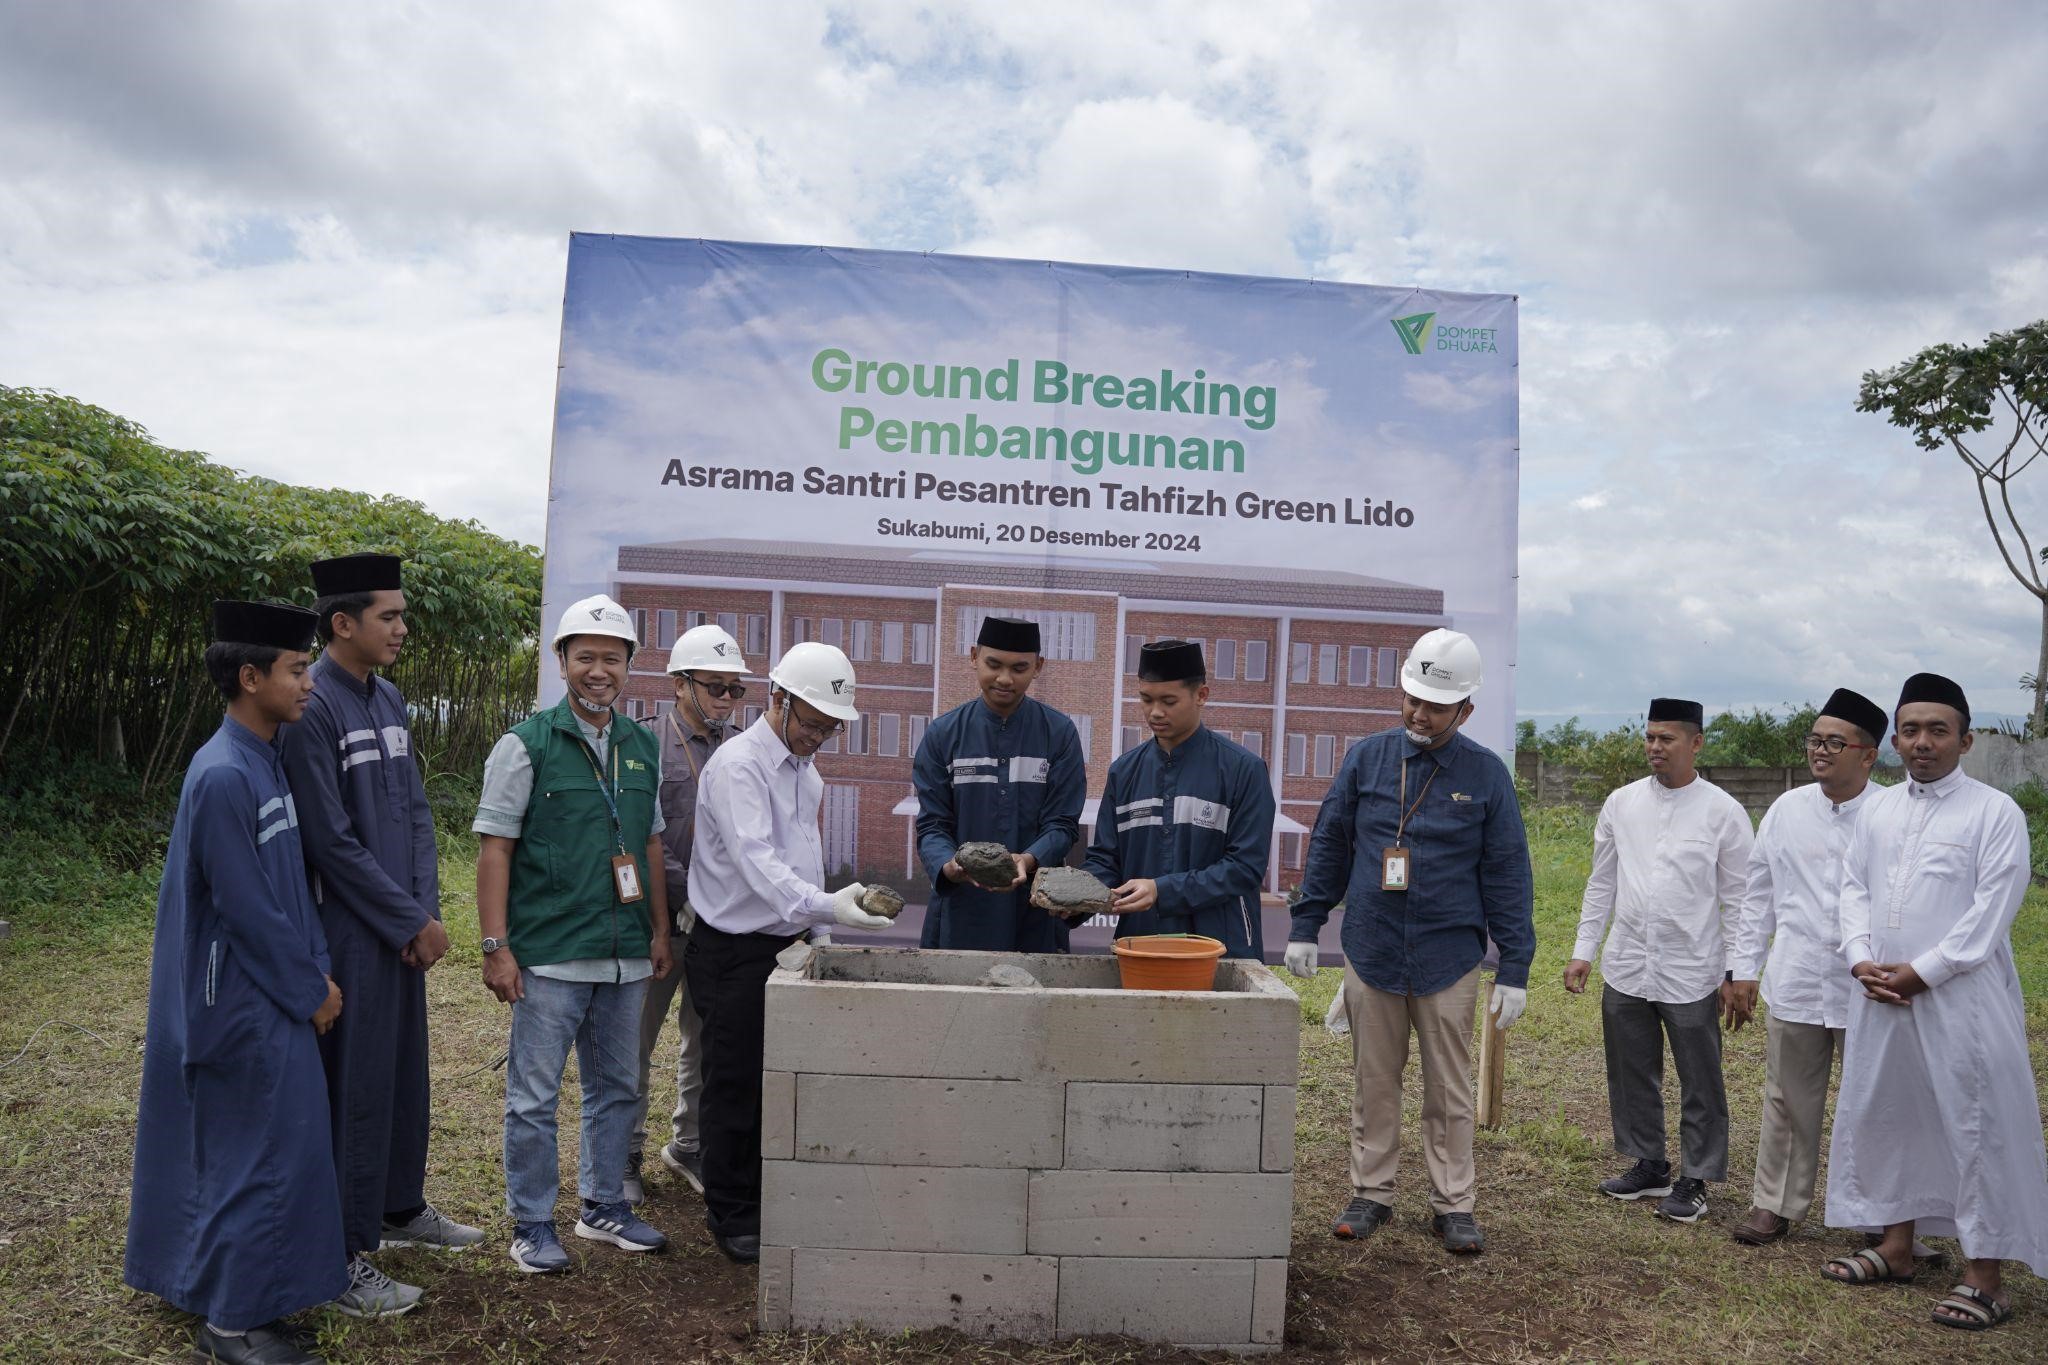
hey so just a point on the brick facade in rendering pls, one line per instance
(1302, 664)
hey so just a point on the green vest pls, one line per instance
(562, 903)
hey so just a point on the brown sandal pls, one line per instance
(1980, 1312)
(1867, 1266)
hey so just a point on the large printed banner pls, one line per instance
(876, 449)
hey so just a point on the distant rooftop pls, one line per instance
(826, 566)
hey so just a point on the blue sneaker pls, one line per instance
(619, 1225)
(537, 1251)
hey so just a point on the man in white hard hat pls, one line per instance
(574, 915)
(706, 666)
(757, 868)
(1421, 839)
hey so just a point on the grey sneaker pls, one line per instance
(686, 1162)
(537, 1251)
(636, 1191)
(1686, 1202)
(1644, 1180)
(1459, 1233)
(618, 1225)
(430, 1228)
(373, 1294)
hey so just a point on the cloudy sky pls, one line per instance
(326, 243)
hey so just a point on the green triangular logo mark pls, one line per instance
(1414, 331)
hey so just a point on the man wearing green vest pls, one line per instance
(573, 927)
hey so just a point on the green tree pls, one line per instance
(1758, 738)
(1948, 396)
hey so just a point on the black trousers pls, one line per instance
(728, 978)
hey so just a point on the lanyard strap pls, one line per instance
(683, 743)
(1434, 769)
(610, 803)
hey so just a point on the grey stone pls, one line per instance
(881, 900)
(1007, 974)
(988, 864)
(1069, 891)
(794, 958)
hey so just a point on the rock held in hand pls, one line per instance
(987, 865)
(1069, 891)
(881, 900)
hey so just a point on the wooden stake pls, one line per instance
(1493, 1059)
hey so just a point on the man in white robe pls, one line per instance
(1937, 1124)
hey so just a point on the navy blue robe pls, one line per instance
(376, 879)
(233, 1214)
(1199, 822)
(1018, 782)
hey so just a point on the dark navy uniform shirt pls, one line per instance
(1468, 866)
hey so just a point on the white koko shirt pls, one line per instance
(1790, 910)
(757, 860)
(1668, 869)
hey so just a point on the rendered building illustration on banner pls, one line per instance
(876, 449)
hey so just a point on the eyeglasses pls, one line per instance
(1834, 744)
(720, 689)
(817, 729)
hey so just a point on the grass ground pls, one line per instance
(1568, 1275)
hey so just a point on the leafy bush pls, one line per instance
(113, 548)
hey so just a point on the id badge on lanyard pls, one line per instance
(1394, 861)
(625, 872)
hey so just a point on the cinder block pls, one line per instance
(902, 1121)
(849, 1028)
(1142, 1213)
(890, 1291)
(1113, 1126)
(1276, 1146)
(1269, 1302)
(893, 1208)
(778, 1115)
(774, 1289)
(1175, 1037)
(1206, 1301)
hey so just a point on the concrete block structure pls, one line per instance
(1026, 1162)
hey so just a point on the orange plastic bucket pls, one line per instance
(1168, 962)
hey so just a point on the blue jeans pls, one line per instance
(603, 1020)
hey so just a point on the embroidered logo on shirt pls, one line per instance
(1460, 796)
(1030, 769)
(1192, 810)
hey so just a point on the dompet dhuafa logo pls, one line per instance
(1418, 330)
(1414, 331)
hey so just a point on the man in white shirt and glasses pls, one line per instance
(1670, 859)
(1795, 876)
(757, 868)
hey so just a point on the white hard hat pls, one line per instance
(708, 648)
(819, 674)
(597, 615)
(1443, 667)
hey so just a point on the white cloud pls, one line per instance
(325, 243)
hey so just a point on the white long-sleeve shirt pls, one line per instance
(1669, 866)
(1790, 908)
(757, 862)
(1938, 1119)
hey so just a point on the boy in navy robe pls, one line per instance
(1003, 768)
(369, 840)
(233, 1215)
(1186, 820)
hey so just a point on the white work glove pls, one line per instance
(1301, 959)
(1508, 1004)
(846, 909)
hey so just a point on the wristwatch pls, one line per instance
(491, 945)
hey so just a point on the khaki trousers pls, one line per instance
(1798, 1060)
(1442, 1024)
